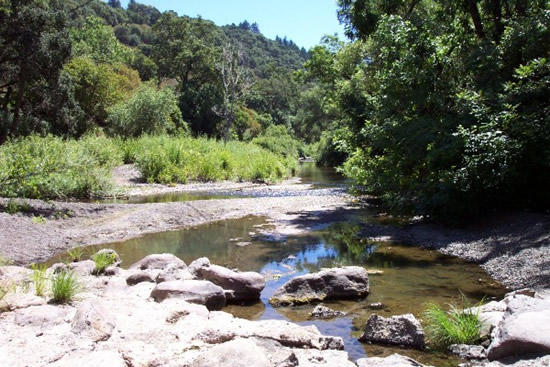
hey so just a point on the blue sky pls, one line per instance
(303, 21)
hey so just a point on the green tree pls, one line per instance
(185, 52)
(149, 111)
(35, 44)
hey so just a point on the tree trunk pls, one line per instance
(471, 6)
(496, 11)
(18, 101)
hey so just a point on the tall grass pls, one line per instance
(65, 286)
(39, 279)
(166, 160)
(102, 260)
(52, 168)
(458, 325)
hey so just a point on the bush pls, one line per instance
(149, 111)
(276, 139)
(102, 260)
(51, 168)
(65, 286)
(459, 325)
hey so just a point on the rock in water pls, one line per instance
(523, 329)
(195, 291)
(398, 330)
(245, 286)
(323, 312)
(336, 283)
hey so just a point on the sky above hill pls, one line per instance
(302, 21)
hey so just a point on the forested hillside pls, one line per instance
(72, 67)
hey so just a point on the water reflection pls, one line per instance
(404, 278)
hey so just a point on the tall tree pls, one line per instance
(35, 44)
(236, 83)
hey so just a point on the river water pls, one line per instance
(403, 278)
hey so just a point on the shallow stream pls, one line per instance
(403, 278)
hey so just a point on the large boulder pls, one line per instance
(201, 292)
(159, 262)
(94, 321)
(521, 330)
(245, 286)
(391, 361)
(402, 330)
(336, 283)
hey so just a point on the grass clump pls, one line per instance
(102, 260)
(75, 254)
(39, 279)
(458, 325)
(4, 261)
(65, 286)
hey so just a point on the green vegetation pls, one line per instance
(4, 261)
(102, 260)
(439, 108)
(50, 167)
(65, 286)
(459, 325)
(442, 106)
(75, 254)
(39, 279)
(179, 159)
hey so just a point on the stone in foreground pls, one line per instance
(245, 286)
(235, 353)
(195, 291)
(392, 361)
(159, 262)
(93, 320)
(404, 330)
(337, 283)
(523, 329)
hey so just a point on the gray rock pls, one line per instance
(336, 283)
(521, 330)
(195, 291)
(402, 330)
(245, 286)
(323, 312)
(16, 301)
(117, 260)
(395, 360)
(92, 320)
(41, 316)
(467, 351)
(91, 359)
(375, 306)
(139, 277)
(235, 353)
(159, 261)
(81, 268)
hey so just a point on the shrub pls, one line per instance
(459, 325)
(51, 168)
(39, 279)
(102, 260)
(65, 286)
(149, 111)
(276, 139)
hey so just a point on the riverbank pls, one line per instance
(513, 248)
